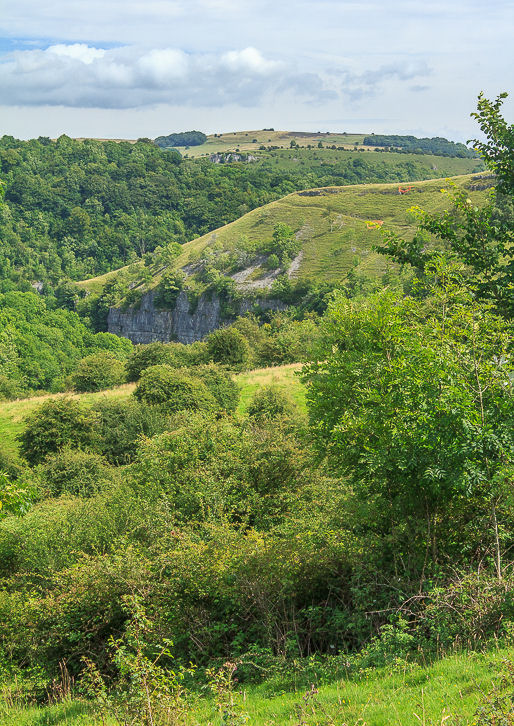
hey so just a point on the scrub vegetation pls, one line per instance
(306, 518)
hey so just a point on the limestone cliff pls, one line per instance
(148, 324)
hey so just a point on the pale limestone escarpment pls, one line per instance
(148, 324)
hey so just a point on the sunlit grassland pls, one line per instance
(244, 141)
(445, 692)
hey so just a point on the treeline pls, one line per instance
(184, 138)
(411, 144)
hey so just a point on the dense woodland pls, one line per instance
(160, 546)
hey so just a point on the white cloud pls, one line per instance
(78, 75)
(78, 51)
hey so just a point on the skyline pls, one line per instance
(129, 70)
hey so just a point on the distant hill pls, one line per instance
(336, 228)
(436, 145)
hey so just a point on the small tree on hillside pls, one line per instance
(228, 346)
(55, 424)
(97, 372)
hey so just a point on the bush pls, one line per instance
(97, 372)
(269, 402)
(179, 391)
(272, 263)
(228, 346)
(10, 389)
(176, 355)
(122, 424)
(74, 472)
(55, 424)
(144, 356)
(222, 386)
(155, 384)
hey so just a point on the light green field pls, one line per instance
(447, 692)
(329, 160)
(13, 413)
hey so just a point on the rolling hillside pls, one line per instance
(337, 227)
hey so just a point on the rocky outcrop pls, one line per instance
(148, 324)
(230, 157)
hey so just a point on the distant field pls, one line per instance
(13, 413)
(244, 141)
(326, 159)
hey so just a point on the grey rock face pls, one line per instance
(148, 324)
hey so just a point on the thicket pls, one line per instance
(40, 346)
(183, 138)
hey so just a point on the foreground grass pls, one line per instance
(13, 413)
(446, 692)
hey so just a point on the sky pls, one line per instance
(130, 69)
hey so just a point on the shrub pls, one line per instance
(144, 356)
(74, 472)
(155, 384)
(97, 372)
(228, 346)
(269, 402)
(10, 389)
(272, 263)
(222, 386)
(179, 391)
(121, 425)
(55, 424)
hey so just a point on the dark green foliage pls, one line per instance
(122, 424)
(414, 405)
(228, 347)
(221, 384)
(144, 356)
(436, 145)
(69, 471)
(270, 402)
(55, 424)
(184, 138)
(39, 347)
(98, 372)
(163, 384)
(155, 384)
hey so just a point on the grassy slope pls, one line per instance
(447, 692)
(332, 224)
(323, 159)
(13, 413)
